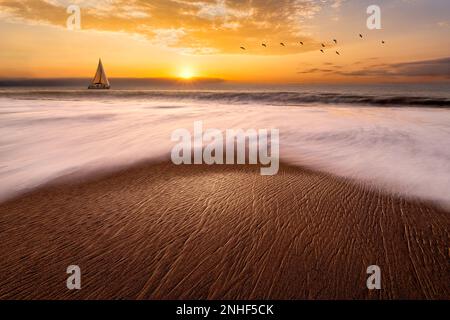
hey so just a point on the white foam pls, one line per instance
(399, 149)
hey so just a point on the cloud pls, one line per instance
(437, 68)
(195, 26)
(168, 37)
(315, 70)
(337, 4)
(220, 9)
(444, 24)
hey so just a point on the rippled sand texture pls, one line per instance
(221, 232)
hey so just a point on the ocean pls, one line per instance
(393, 137)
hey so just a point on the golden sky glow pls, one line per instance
(202, 38)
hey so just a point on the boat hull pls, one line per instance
(99, 86)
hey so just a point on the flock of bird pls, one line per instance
(321, 50)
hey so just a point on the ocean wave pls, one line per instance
(288, 98)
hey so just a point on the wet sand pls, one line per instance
(221, 232)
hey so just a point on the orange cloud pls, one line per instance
(193, 26)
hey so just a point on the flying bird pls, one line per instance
(360, 35)
(242, 48)
(321, 50)
(282, 44)
(323, 46)
(264, 45)
(301, 42)
(382, 41)
(337, 52)
(335, 41)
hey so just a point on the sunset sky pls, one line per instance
(202, 38)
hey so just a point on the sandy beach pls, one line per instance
(160, 231)
(226, 151)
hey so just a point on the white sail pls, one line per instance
(100, 80)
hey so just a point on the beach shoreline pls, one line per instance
(160, 231)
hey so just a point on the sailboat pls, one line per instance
(100, 80)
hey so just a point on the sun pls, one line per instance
(186, 73)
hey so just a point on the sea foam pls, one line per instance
(397, 149)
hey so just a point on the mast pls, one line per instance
(100, 68)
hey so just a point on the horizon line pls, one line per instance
(53, 81)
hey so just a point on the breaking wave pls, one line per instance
(289, 98)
